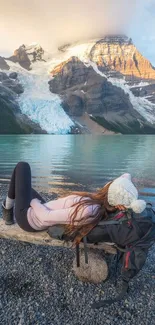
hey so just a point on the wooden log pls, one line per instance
(14, 232)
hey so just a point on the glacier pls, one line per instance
(38, 103)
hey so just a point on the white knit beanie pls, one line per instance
(123, 192)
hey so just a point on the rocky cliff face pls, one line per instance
(3, 64)
(83, 90)
(26, 55)
(118, 53)
(11, 82)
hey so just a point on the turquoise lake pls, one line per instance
(79, 162)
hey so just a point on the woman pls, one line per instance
(80, 210)
(81, 214)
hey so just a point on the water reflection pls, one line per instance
(85, 162)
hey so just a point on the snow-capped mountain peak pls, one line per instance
(107, 77)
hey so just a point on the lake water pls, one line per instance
(79, 162)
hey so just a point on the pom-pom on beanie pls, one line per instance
(123, 192)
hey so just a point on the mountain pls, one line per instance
(85, 91)
(3, 64)
(26, 55)
(118, 53)
(119, 99)
(103, 81)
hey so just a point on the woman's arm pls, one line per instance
(62, 203)
(46, 217)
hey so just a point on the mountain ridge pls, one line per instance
(116, 53)
(107, 79)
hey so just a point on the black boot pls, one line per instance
(7, 215)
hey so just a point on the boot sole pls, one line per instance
(9, 223)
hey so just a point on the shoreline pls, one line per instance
(37, 286)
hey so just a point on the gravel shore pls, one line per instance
(38, 287)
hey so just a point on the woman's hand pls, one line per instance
(120, 207)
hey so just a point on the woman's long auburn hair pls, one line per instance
(86, 224)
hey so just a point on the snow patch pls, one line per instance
(95, 67)
(81, 51)
(140, 84)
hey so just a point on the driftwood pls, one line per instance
(14, 232)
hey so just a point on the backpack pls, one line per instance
(132, 234)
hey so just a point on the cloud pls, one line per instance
(143, 30)
(55, 22)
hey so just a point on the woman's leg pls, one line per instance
(20, 190)
(36, 195)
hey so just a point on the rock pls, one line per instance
(13, 85)
(25, 55)
(64, 47)
(145, 91)
(13, 75)
(6, 93)
(8, 108)
(21, 57)
(95, 271)
(68, 74)
(3, 76)
(73, 105)
(29, 126)
(3, 64)
(118, 53)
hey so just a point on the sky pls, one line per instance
(52, 23)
